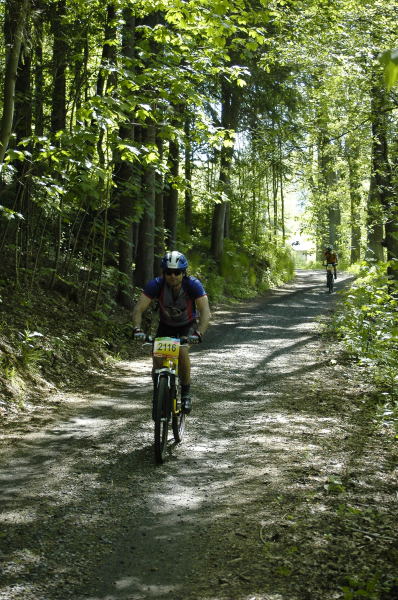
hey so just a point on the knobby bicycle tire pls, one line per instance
(330, 282)
(162, 419)
(178, 423)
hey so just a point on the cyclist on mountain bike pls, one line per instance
(179, 297)
(330, 258)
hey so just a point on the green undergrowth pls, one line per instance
(366, 321)
(244, 272)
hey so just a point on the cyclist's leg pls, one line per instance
(185, 371)
(185, 379)
(184, 366)
(335, 271)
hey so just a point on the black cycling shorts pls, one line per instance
(178, 331)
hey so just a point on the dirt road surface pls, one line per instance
(282, 489)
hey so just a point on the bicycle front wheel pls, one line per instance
(162, 411)
(178, 422)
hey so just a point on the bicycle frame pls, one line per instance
(169, 367)
(166, 405)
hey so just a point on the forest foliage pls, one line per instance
(135, 126)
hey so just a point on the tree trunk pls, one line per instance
(38, 111)
(108, 59)
(78, 65)
(334, 221)
(229, 117)
(145, 248)
(282, 208)
(227, 220)
(23, 129)
(125, 173)
(281, 172)
(171, 195)
(217, 231)
(20, 11)
(275, 186)
(188, 176)
(391, 242)
(146, 245)
(380, 172)
(58, 106)
(171, 186)
(159, 214)
(355, 201)
(328, 209)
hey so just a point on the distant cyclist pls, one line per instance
(182, 301)
(330, 258)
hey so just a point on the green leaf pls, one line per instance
(13, 154)
(389, 59)
(152, 157)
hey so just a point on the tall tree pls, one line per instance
(126, 174)
(380, 171)
(59, 60)
(170, 194)
(16, 15)
(352, 154)
(230, 102)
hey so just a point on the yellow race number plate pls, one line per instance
(166, 347)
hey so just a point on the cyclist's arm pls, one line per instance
(142, 304)
(202, 305)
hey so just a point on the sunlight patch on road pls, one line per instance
(128, 582)
(81, 427)
(176, 501)
(133, 585)
(18, 516)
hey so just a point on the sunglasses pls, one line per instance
(175, 272)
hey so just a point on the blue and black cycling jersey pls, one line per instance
(178, 311)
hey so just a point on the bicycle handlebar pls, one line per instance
(149, 340)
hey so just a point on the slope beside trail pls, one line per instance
(282, 489)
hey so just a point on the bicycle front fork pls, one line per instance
(172, 398)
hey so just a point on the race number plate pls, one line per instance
(166, 347)
(329, 268)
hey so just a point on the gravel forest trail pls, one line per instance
(283, 488)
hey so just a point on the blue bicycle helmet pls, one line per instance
(174, 260)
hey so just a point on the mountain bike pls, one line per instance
(166, 399)
(330, 277)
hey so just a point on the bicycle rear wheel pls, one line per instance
(330, 282)
(162, 411)
(178, 422)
